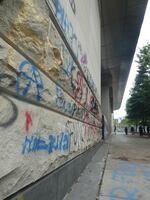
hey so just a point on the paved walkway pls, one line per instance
(120, 170)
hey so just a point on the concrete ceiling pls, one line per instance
(121, 21)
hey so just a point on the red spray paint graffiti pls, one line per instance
(78, 91)
(28, 121)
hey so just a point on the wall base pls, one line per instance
(55, 185)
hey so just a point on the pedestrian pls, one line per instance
(148, 130)
(126, 130)
(132, 130)
(115, 129)
(140, 130)
(103, 128)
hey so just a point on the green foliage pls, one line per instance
(124, 122)
(138, 105)
(115, 121)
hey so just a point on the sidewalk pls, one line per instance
(120, 170)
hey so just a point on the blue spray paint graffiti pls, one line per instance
(127, 172)
(55, 143)
(60, 99)
(73, 40)
(121, 172)
(67, 107)
(70, 68)
(130, 170)
(68, 28)
(132, 195)
(30, 74)
(63, 20)
(146, 173)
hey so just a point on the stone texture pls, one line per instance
(27, 162)
(34, 60)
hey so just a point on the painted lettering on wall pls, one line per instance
(73, 40)
(28, 121)
(68, 28)
(68, 107)
(31, 76)
(78, 90)
(54, 143)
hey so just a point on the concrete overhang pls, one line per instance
(121, 22)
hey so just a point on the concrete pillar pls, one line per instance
(107, 106)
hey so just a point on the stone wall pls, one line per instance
(50, 106)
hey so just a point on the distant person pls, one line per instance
(126, 130)
(147, 129)
(140, 130)
(103, 128)
(132, 130)
(115, 129)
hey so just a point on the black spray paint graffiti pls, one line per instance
(73, 5)
(8, 111)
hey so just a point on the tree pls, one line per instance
(138, 105)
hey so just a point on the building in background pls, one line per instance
(63, 64)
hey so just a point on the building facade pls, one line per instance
(55, 86)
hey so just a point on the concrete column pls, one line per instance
(106, 106)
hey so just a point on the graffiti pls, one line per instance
(86, 117)
(121, 172)
(60, 101)
(92, 129)
(125, 173)
(74, 43)
(124, 193)
(8, 111)
(78, 90)
(84, 59)
(28, 121)
(73, 40)
(146, 173)
(68, 107)
(30, 74)
(63, 19)
(75, 133)
(70, 69)
(73, 5)
(54, 143)
(93, 105)
(92, 85)
(67, 26)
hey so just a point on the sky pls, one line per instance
(144, 38)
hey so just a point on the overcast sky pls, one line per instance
(143, 39)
